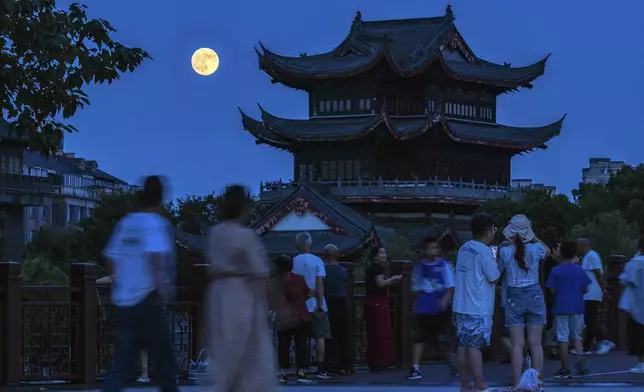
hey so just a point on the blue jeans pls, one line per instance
(525, 306)
(142, 327)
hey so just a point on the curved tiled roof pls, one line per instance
(356, 228)
(408, 45)
(291, 132)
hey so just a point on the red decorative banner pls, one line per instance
(300, 206)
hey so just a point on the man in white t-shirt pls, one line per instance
(474, 293)
(592, 264)
(312, 269)
(140, 253)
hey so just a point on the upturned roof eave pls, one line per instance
(553, 129)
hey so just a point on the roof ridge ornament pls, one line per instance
(449, 13)
(357, 21)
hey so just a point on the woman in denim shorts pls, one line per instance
(525, 305)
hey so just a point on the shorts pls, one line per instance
(525, 306)
(473, 330)
(429, 327)
(635, 341)
(568, 326)
(320, 328)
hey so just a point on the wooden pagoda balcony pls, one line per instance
(399, 191)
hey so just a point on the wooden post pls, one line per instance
(403, 305)
(351, 315)
(84, 336)
(11, 337)
(200, 278)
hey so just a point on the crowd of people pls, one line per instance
(308, 296)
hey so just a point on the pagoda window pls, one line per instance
(349, 170)
(341, 106)
(335, 106)
(327, 105)
(321, 106)
(361, 105)
(324, 170)
(431, 105)
(357, 169)
(332, 172)
(348, 105)
(341, 172)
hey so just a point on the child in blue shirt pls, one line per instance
(432, 281)
(568, 282)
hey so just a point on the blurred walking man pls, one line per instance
(141, 253)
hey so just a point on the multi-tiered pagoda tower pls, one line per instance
(401, 135)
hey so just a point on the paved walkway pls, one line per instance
(612, 368)
(328, 388)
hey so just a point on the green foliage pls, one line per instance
(48, 57)
(552, 216)
(39, 271)
(611, 233)
(194, 214)
(91, 235)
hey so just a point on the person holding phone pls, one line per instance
(377, 314)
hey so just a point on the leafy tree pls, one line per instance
(92, 234)
(47, 57)
(552, 216)
(39, 271)
(194, 214)
(611, 233)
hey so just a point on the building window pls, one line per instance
(332, 170)
(335, 106)
(321, 106)
(44, 213)
(367, 104)
(431, 105)
(361, 104)
(341, 106)
(357, 169)
(341, 172)
(349, 170)
(327, 105)
(348, 105)
(32, 235)
(31, 213)
(324, 170)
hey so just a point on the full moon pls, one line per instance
(205, 61)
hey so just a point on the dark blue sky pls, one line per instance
(166, 119)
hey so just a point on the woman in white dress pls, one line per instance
(238, 330)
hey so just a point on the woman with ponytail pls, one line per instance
(525, 308)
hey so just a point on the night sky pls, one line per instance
(165, 119)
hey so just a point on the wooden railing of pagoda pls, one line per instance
(275, 191)
(66, 332)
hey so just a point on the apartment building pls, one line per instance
(600, 170)
(77, 183)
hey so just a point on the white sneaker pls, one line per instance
(605, 347)
(639, 368)
(573, 351)
(143, 380)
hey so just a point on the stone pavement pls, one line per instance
(330, 388)
(609, 369)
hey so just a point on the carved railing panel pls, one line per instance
(48, 333)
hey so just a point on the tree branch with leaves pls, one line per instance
(48, 56)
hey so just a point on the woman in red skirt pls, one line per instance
(377, 314)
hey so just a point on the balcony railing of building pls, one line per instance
(13, 182)
(274, 191)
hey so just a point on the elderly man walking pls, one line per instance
(312, 269)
